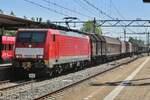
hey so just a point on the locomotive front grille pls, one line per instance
(29, 52)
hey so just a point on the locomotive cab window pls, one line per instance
(33, 36)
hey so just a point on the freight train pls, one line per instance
(6, 48)
(56, 51)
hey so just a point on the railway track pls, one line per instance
(48, 96)
(4, 82)
(45, 88)
(7, 85)
(16, 85)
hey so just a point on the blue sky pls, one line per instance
(129, 9)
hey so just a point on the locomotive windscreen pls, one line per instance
(33, 36)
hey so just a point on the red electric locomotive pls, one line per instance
(7, 47)
(51, 49)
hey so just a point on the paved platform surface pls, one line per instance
(127, 82)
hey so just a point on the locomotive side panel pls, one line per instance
(72, 48)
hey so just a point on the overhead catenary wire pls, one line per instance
(47, 8)
(68, 9)
(107, 15)
(99, 10)
(103, 13)
(114, 6)
(81, 5)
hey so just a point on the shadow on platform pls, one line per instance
(135, 82)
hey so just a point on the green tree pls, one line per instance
(136, 41)
(89, 28)
(10, 33)
(131, 39)
(12, 13)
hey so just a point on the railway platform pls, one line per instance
(127, 82)
(5, 65)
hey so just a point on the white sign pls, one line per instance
(31, 75)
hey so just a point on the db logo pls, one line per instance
(30, 46)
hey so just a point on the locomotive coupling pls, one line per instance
(27, 65)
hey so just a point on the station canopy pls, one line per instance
(13, 23)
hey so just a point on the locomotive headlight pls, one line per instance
(18, 56)
(40, 56)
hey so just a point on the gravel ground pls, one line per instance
(38, 89)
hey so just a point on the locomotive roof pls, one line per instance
(68, 33)
(112, 40)
(28, 29)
